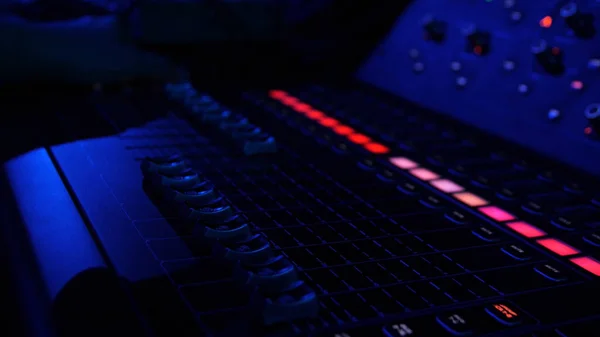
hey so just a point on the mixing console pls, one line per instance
(452, 191)
(329, 221)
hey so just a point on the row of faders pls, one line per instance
(278, 295)
(205, 110)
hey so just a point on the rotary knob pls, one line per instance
(435, 30)
(582, 24)
(592, 114)
(550, 59)
(478, 43)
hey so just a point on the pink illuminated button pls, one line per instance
(403, 163)
(496, 213)
(424, 174)
(525, 229)
(470, 199)
(447, 186)
(558, 247)
(587, 263)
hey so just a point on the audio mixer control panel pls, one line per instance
(528, 71)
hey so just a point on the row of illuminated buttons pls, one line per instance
(444, 185)
(472, 200)
(333, 124)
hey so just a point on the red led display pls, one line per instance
(329, 122)
(301, 107)
(359, 138)
(343, 130)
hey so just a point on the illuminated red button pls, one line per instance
(329, 122)
(358, 138)
(558, 247)
(277, 94)
(302, 107)
(403, 163)
(496, 213)
(424, 174)
(447, 186)
(525, 229)
(289, 101)
(376, 148)
(343, 130)
(315, 114)
(587, 263)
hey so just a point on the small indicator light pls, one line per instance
(576, 85)
(553, 114)
(546, 22)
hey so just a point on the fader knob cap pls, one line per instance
(201, 193)
(231, 230)
(179, 91)
(199, 100)
(298, 301)
(180, 179)
(247, 131)
(254, 249)
(215, 115)
(271, 276)
(164, 165)
(233, 123)
(215, 212)
(258, 143)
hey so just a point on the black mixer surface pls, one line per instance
(325, 211)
